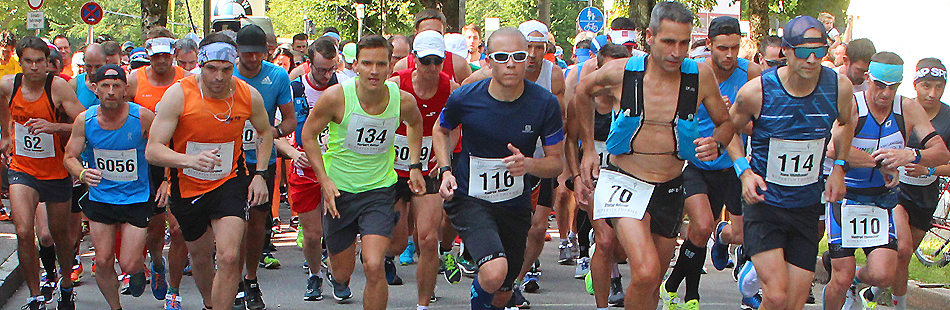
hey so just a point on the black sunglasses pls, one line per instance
(431, 60)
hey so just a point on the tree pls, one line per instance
(154, 12)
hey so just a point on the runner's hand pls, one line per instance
(329, 197)
(416, 182)
(893, 158)
(582, 193)
(916, 170)
(205, 161)
(161, 196)
(5, 144)
(39, 125)
(448, 187)
(257, 192)
(834, 186)
(706, 149)
(725, 99)
(92, 177)
(515, 162)
(891, 176)
(751, 184)
(589, 171)
(301, 161)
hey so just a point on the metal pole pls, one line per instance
(207, 18)
(89, 39)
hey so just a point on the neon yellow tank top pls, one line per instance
(360, 154)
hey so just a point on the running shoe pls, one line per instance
(67, 299)
(719, 254)
(300, 237)
(137, 284)
(468, 268)
(158, 283)
(390, 267)
(324, 259)
(276, 227)
(314, 289)
(582, 268)
(35, 303)
(616, 297)
(811, 295)
(408, 256)
(47, 287)
(589, 283)
(751, 303)
(669, 299)
(124, 284)
(239, 297)
(566, 255)
(295, 223)
(691, 305)
(452, 273)
(867, 299)
(518, 300)
(3, 214)
(76, 275)
(187, 270)
(530, 283)
(268, 261)
(547, 237)
(172, 302)
(341, 291)
(575, 248)
(253, 296)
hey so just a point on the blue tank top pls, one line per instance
(626, 123)
(784, 120)
(120, 156)
(729, 88)
(86, 97)
(869, 136)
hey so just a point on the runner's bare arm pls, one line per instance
(611, 74)
(847, 116)
(72, 83)
(409, 112)
(558, 88)
(133, 84)
(711, 98)
(75, 146)
(481, 74)
(461, 67)
(147, 117)
(400, 65)
(571, 147)
(549, 166)
(934, 152)
(298, 71)
(66, 99)
(157, 151)
(264, 130)
(747, 107)
(6, 90)
(443, 143)
(288, 119)
(328, 108)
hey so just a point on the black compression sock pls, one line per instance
(48, 257)
(583, 232)
(695, 257)
(679, 271)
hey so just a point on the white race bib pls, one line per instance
(369, 135)
(620, 195)
(225, 152)
(490, 180)
(33, 146)
(601, 148)
(919, 181)
(863, 226)
(794, 162)
(401, 144)
(117, 165)
(249, 137)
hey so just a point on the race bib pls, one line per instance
(794, 162)
(33, 146)
(117, 165)
(401, 144)
(620, 195)
(225, 152)
(602, 154)
(369, 135)
(249, 137)
(863, 226)
(919, 181)
(490, 180)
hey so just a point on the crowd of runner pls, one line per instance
(444, 151)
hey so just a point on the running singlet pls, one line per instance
(789, 139)
(923, 189)
(871, 135)
(273, 84)
(192, 136)
(360, 155)
(305, 96)
(489, 126)
(148, 95)
(447, 66)
(430, 109)
(626, 122)
(39, 155)
(729, 88)
(120, 156)
(86, 97)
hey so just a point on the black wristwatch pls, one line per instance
(415, 166)
(570, 183)
(266, 174)
(721, 148)
(443, 169)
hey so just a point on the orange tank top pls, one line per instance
(208, 124)
(148, 95)
(39, 155)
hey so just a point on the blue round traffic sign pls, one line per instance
(91, 13)
(591, 19)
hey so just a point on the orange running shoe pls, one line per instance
(76, 275)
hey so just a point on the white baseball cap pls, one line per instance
(429, 42)
(455, 44)
(530, 26)
(160, 45)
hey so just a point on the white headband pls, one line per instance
(217, 51)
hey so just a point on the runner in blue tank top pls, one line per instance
(114, 133)
(864, 219)
(640, 192)
(793, 110)
(94, 57)
(708, 186)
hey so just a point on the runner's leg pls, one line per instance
(103, 238)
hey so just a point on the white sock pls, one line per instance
(900, 302)
(421, 307)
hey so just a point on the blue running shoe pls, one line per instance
(407, 256)
(751, 303)
(158, 284)
(720, 250)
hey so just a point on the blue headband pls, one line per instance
(886, 73)
(582, 54)
(217, 51)
(332, 35)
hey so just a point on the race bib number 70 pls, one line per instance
(620, 195)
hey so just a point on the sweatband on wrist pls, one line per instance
(916, 156)
(741, 165)
(931, 171)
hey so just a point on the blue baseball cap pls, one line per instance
(795, 31)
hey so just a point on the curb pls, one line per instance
(927, 298)
(11, 278)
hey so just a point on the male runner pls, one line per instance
(710, 185)
(93, 58)
(431, 88)
(487, 201)
(208, 180)
(456, 66)
(856, 61)
(186, 54)
(302, 185)
(640, 191)
(919, 188)
(146, 87)
(113, 134)
(62, 44)
(356, 173)
(299, 42)
(34, 100)
(272, 83)
(793, 109)
(878, 149)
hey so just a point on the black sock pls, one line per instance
(48, 257)
(679, 271)
(583, 232)
(695, 258)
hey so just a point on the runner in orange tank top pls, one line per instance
(31, 101)
(204, 115)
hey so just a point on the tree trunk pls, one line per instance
(639, 12)
(451, 10)
(154, 12)
(759, 20)
(544, 12)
